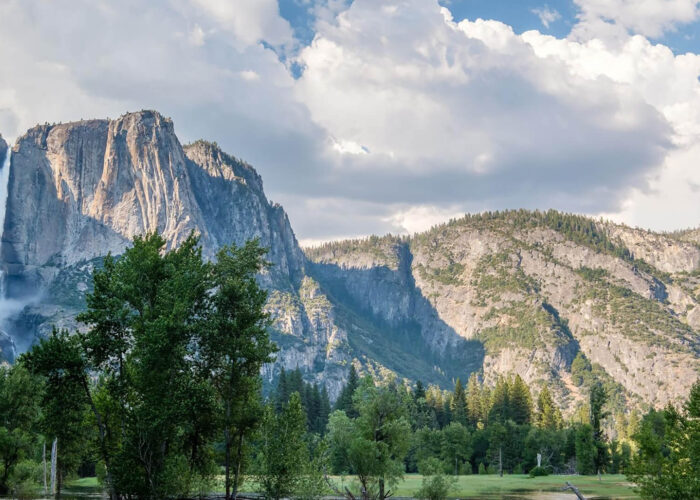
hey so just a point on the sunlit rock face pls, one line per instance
(534, 290)
(497, 294)
(78, 191)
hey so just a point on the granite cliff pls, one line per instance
(536, 291)
(77, 191)
(556, 298)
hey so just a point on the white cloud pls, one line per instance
(547, 16)
(197, 36)
(249, 20)
(650, 18)
(419, 218)
(249, 75)
(398, 121)
(470, 110)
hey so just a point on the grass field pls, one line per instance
(491, 486)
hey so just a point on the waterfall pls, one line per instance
(4, 180)
(7, 342)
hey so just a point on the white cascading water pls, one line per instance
(4, 180)
(7, 306)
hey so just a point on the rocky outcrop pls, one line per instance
(3, 150)
(534, 290)
(80, 190)
(8, 350)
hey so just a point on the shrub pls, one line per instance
(538, 471)
(436, 485)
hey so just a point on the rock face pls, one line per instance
(80, 190)
(533, 291)
(3, 150)
(496, 294)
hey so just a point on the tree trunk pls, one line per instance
(227, 445)
(103, 431)
(239, 458)
(44, 457)
(381, 489)
(500, 461)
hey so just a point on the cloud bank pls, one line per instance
(395, 116)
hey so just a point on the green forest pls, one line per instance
(160, 396)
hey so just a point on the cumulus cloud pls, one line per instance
(401, 116)
(455, 112)
(547, 16)
(650, 18)
(249, 20)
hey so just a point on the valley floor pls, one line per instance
(511, 487)
(516, 486)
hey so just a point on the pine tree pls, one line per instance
(485, 403)
(548, 415)
(314, 409)
(520, 401)
(344, 401)
(598, 398)
(324, 410)
(419, 391)
(282, 391)
(474, 403)
(458, 404)
(500, 402)
(295, 382)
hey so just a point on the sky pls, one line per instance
(375, 116)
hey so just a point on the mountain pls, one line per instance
(78, 191)
(562, 300)
(536, 291)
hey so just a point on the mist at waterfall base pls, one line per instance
(8, 306)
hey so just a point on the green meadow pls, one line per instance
(611, 486)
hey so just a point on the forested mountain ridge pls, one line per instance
(561, 300)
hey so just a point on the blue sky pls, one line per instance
(521, 15)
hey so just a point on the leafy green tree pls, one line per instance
(620, 456)
(422, 413)
(550, 444)
(146, 316)
(235, 345)
(547, 415)
(586, 450)
(580, 367)
(667, 463)
(376, 442)
(456, 448)
(64, 405)
(20, 397)
(427, 443)
(284, 453)
(339, 436)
